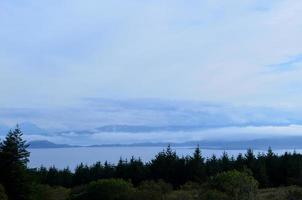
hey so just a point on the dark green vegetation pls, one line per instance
(166, 177)
(13, 171)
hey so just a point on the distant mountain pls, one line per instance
(292, 142)
(41, 144)
(264, 144)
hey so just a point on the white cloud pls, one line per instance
(228, 133)
(53, 54)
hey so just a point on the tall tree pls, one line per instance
(196, 167)
(13, 165)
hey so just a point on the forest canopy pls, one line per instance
(166, 176)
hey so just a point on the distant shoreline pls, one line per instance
(258, 144)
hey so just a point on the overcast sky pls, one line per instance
(58, 53)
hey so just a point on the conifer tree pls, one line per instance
(13, 165)
(196, 168)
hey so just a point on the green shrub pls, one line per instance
(159, 186)
(235, 184)
(181, 195)
(294, 193)
(191, 186)
(106, 189)
(152, 190)
(280, 193)
(46, 192)
(3, 195)
(214, 195)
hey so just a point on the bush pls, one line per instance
(214, 195)
(281, 193)
(191, 186)
(106, 189)
(159, 186)
(153, 190)
(236, 185)
(3, 195)
(181, 195)
(46, 192)
(294, 193)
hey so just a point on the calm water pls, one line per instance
(71, 157)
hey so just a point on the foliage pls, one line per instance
(46, 192)
(107, 189)
(3, 195)
(13, 166)
(166, 177)
(153, 190)
(281, 193)
(214, 195)
(294, 194)
(169, 167)
(236, 185)
(181, 195)
(268, 169)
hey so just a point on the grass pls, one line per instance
(281, 193)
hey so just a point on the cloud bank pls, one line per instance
(58, 58)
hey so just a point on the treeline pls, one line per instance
(269, 169)
(166, 177)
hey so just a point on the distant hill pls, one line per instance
(275, 143)
(41, 144)
(292, 142)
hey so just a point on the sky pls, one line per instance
(56, 56)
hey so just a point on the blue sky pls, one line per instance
(54, 55)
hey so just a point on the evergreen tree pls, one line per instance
(196, 167)
(81, 175)
(197, 156)
(250, 159)
(13, 168)
(136, 170)
(239, 162)
(165, 166)
(212, 166)
(225, 162)
(272, 167)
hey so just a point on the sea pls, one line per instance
(71, 157)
